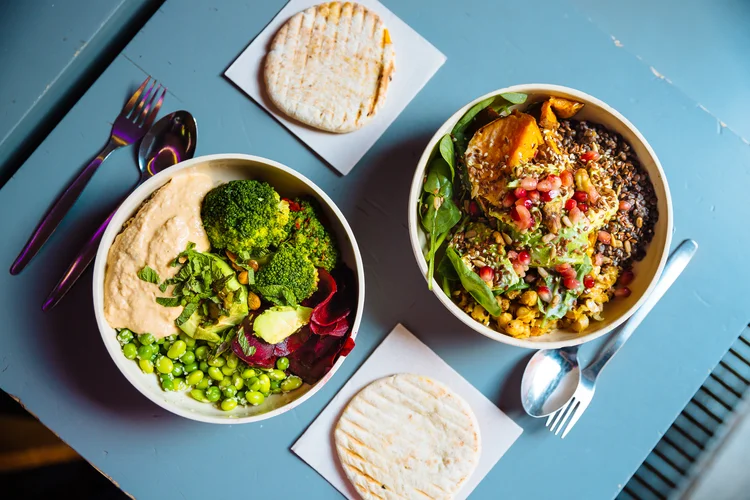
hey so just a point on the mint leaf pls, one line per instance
(168, 301)
(247, 349)
(190, 308)
(149, 275)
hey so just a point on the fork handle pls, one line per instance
(676, 263)
(57, 212)
(77, 267)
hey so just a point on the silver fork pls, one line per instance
(566, 417)
(135, 119)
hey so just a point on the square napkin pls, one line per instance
(416, 61)
(402, 352)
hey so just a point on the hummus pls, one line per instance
(159, 231)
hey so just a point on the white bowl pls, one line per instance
(223, 168)
(647, 271)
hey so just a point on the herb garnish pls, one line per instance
(247, 349)
(148, 275)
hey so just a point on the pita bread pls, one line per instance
(330, 66)
(407, 436)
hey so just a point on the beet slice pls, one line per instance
(313, 360)
(292, 343)
(341, 303)
(326, 288)
(264, 355)
(348, 346)
(338, 329)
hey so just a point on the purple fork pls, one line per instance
(135, 119)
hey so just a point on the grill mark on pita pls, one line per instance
(309, 80)
(356, 440)
(366, 57)
(338, 10)
(447, 405)
(362, 459)
(354, 409)
(370, 480)
(407, 402)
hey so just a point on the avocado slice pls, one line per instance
(237, 312)
(279, 322)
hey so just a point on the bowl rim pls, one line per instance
(100, 266)
(416, 187)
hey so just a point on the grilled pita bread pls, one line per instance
(407, 436)
(330, 66)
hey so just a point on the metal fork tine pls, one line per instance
(154, 112)
(134, 116)
(573, 421)
(571, 411)
(134, 98)
(552, 420)
(149, 101)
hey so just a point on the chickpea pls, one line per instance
(516, 328)
(522, 312)
(580, 324)
(528, 298)
(504, 319)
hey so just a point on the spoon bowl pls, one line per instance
(549, 381)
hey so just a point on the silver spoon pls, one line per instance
(170, 141)
(552, 375)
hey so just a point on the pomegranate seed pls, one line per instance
(626, 278)
(566, 270)
(534, 195)
(598, 259)
(512, 254)
(566, 177)
(550, 195)
(561, 268)
(528, 183)
(571, 283)
(487, 274)
(509, 200)
(588, 281)
(625, 206)
(544, 293)
(473, 208)
(622, 292)
(545, 185)
(519, 269)
(524, 257)
(570, 204)
(590, 156)
(583, 207)
(525, 202)
(581, 196)
(519, 192)
(593, 193)
(575, 215)
(522, 216)
(604, 237)
(555, 180)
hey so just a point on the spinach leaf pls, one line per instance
(225, 343)
(438, 181)
(514, 97)
(446, 269)
(474, 284)
(509, 279)
(148, 275)
(567, 297)
(168, 301)
(465, 120)
(247, 349)
(442, 214)
(448, 154)
(190, 308)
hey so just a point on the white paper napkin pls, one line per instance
(402, 352)
(416, 61)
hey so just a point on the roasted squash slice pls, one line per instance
(564, 108)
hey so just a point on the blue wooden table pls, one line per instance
(56, 366)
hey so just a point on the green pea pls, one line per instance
(178, 369)
(199, 395)
(229, 404)
(215, 373)
(164, 365)
(213, 394)
(125, 336)
(188, 357)
(276, 390)
(180, 384)
(191, 367)
(291, 383)
(276, 375)
(194, 377)
(225, 382)
(203, 366)
(130, 350)
(282, 363)
(189, 341)
(160, 341)
(229, 391)
(201, 352)
(232, 361)
(274, 385)
(178, 349)
(170, 338)
(203, 384)
(146, 339)
(164, 348)
(227, 370)
(265, 383)
(167, 383)
(254, 398)
(253, 384)
(248, 373)
(147, 351)
(147, 366)
(241, 397)
(237, 382)
(217, 361)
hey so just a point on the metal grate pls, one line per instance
(670, 462)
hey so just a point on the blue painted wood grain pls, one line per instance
(56, 365)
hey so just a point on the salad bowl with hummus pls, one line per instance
(228, 289)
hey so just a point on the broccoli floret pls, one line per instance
(288, 278)
(246, 217)
(309, 234)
